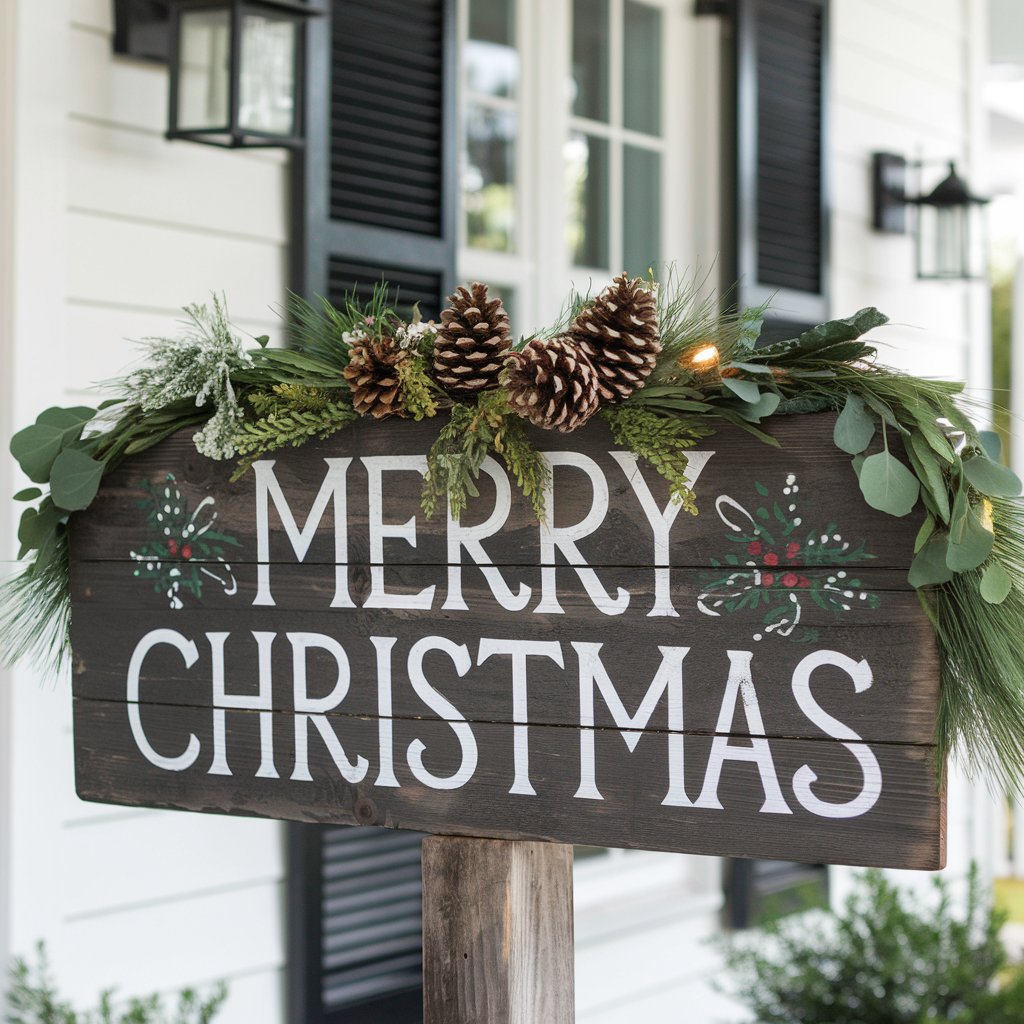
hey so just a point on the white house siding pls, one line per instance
(115, 230)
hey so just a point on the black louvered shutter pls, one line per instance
(779, 218)
(781, 215)
(375, 196)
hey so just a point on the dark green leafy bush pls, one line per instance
(32, 998)
(886, 958)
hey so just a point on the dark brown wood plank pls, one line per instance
(904, 827)
(827, 501)
(497, 932)
(112, 615)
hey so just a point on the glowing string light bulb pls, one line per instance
(705, 357)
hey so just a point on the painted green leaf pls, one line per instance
(888, 485)
(995, 583)
(36, 447)
(974, 546)
(929, 566)
(74, 480)
(992, 443)
(855, 426)
(991, 478)
(28, 494)
(745, 389)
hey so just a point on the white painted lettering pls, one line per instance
(805, 777)
(520, 650)
(741, 685)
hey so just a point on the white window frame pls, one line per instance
(640, 884)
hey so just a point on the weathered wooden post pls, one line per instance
(497, 932)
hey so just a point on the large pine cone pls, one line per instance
(472, 342)
(619, 332)
(553, 384)
(372, 375)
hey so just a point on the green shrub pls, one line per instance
(886, 958)
(32, 998)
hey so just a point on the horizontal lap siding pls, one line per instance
(901, 82)
(144, 901)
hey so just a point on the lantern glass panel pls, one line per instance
(204, 69)
(267, 82)
(951, 242)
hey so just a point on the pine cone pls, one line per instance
(619, 331)
(472, 341)
(553, 384)
(372, 375)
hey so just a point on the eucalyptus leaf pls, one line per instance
(28, 494)
(855, 426)
(995, 583)
(888, 485)
(858, 464)
(958, 517)
(974, 546)
(751, 367)
(925, 418)
(36, 447)
(929, 472)
(992, 443)
(991, 478)
(74, 480)
(747, 390)
(761, 409)
(36, 525)
(929, 566)
(927, 529)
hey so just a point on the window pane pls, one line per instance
(488, 178)
(204, 83)
(267, 85)
(586, 170)
(492, 63)
(642, 57)
(641, 209)
(590, 59)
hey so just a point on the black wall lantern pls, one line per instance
(236, 72)
(949, 226)
(236, 65)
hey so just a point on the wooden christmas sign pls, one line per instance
(759, 680)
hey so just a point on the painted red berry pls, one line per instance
(792, 550)
(172, 547)
(767, 579)
(789, 579)
(754, 547)
(186, 551)
(803, 581)
(771, 558)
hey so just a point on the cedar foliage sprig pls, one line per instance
(662, 441)
(418, 389)
(289, 416)
(472, 432)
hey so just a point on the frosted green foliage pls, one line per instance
(197, 365)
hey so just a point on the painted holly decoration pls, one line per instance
(184, 551)
(780, 567)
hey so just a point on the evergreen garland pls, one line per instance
(248, 401)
